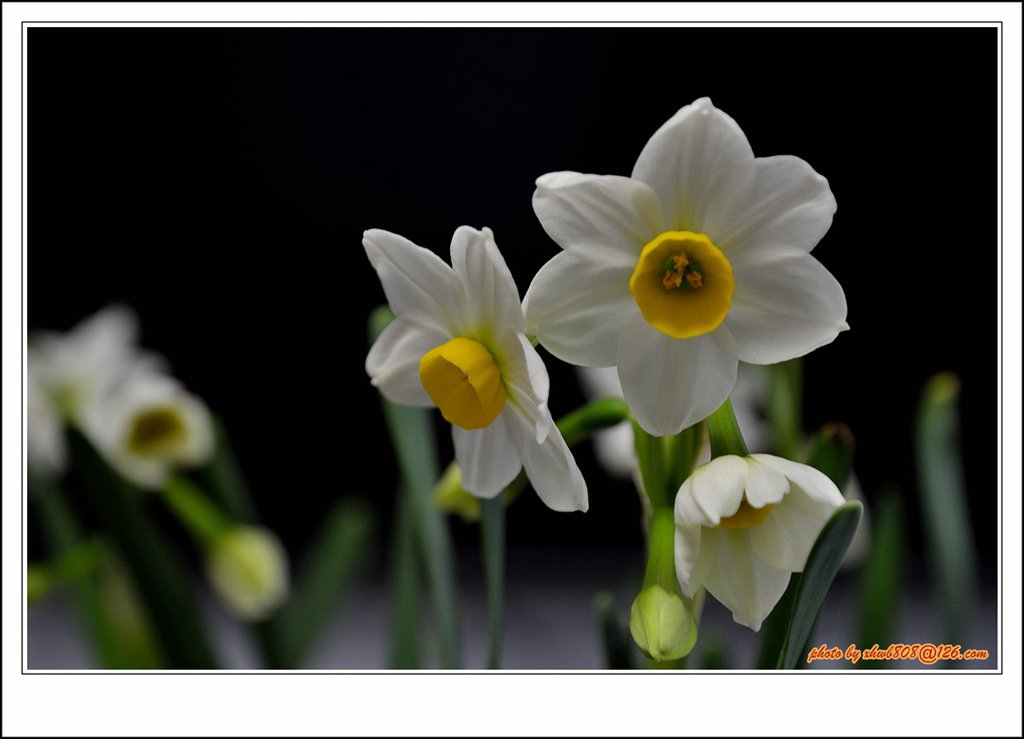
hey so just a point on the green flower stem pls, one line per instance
(596, 415)
(195, 511)
(661, 563)
(492, 540)
(725, 434)
(785, 408)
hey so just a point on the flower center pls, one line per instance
(464, 382)
(683, 284)
(746, 517)
(156, 431)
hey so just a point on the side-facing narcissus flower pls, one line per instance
(147, 425)
(743, 524)
(457, 342)
(699, 260)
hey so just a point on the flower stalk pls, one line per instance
(724, 432)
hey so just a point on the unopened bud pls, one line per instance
(662, 624)
(248, 570)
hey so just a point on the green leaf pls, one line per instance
(63, 536)
(821, 568)
(947, 525)
(785, 408)
(881, 582)
(412, 435)
(156, 569)
(405, 591)
(492, 541)
(327, 573)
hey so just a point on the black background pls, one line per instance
(219, 180)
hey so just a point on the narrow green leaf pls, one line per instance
(405, 591)
(831, 452)
(327, 573)
(412, 435)
(881, 582)
(821, 568)
(156, 570)
(492, 542)
(616, 644)
(947, 525)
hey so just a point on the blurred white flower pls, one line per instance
(46, 448)
(457, 343)
(148, 424)
(743, 524)
(74, 368)
(248, 570)
(698, 261)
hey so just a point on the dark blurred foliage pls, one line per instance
(219, 180)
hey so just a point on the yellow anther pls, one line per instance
(672, 280)
(695, 279)
(680, 261)
(463, 380)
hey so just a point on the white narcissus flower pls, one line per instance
(457, 342)
(248, 569)
(147, 425)
(743, 524)
(698, 261)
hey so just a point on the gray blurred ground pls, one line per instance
(550, 621)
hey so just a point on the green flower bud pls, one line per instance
(662, 625)
(248, 570)
(451, 497)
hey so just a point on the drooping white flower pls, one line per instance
(699, 260)
(248, 569)
(146, 425)
(743, 524)
(457, 343)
